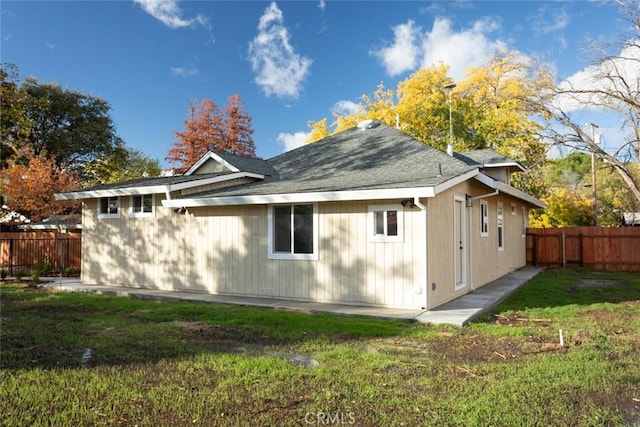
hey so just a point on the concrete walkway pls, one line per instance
(457, 312)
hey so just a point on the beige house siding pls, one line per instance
(484, 262)
(223, 250)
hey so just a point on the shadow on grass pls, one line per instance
(564, 287)
(47, 329)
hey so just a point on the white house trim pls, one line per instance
(154, 189)
(211, 156)
(503, 165)
(507, 189)
(455, 181)
(329, 196)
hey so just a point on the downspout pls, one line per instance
(425, 279)
(470, 234)
(167, 191)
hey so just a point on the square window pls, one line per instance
(386, 223)
(109, 207)
(293, 232)
(142, 205)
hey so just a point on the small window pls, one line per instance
(293, 232)
(484, 218)
(386, 223)
(142, 205)
(109, 207)
(500, 221)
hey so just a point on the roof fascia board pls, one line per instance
(215, 179)
(486, 180)
(329, 196)
(153, 189)
(504, 165)
(455, 181)
(507, 189)
(213, 156)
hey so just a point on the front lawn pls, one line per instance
(83, 359)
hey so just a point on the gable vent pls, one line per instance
(368, 124)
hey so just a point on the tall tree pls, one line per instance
(490, 108)
(238, 130)
(202, 125)
(120, 164)
(67, 126)
(14, 122)
(611, 84)
(210, 128)
(319, 130)
(29, 188)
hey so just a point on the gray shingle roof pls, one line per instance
(153, 181)
(485, 157)
(377, 158)
(247, 164)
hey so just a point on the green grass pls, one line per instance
(179, 363)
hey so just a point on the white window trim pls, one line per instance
(484, 218)
(151, 214)
(292, 256)
(380, 238)
(108, 215)
(500, 208)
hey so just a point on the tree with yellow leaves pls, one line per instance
(489, 107)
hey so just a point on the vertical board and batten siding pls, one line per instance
(223, 250)
(484, 262)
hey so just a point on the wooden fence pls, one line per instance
(601, 248)
(24, 250)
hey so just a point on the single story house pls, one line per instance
(368, 216)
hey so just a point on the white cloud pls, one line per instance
(322, 5)
(190, 71)
(402, 55)
(625, 65)
(460, 50)
(344, 108)
(168, 12)
(292, 140)
(549, 20)
(280, 71)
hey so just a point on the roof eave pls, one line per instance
(153, 189)
(507, 189)
(328, 196)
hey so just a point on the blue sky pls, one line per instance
(290, 61)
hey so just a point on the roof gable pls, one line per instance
(219, 162)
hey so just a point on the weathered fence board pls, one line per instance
(24, 250)
(602, 248)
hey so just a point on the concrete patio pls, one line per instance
(456, 312)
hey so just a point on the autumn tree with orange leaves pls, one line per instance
(29, 188)
(208, 128)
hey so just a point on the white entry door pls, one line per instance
(459, 243)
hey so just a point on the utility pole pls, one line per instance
(593, 175)
(449, 88)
